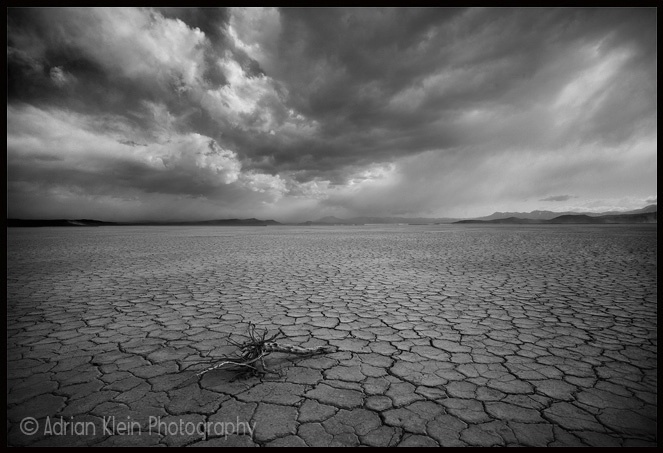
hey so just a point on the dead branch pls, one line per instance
(254, 350)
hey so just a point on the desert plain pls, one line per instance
(445, 335)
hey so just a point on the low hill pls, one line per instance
(648, 217)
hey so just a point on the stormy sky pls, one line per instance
(294, 114)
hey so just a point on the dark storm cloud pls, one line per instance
(362, 109)
(397, 82)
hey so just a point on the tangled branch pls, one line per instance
(255, 349)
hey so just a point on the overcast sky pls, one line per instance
(295, 114)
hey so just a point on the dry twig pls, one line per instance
(255, 349)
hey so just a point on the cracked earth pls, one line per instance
(446, 335)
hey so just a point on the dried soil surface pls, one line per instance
(446, 335)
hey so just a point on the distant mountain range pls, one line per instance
(644, 215)
(330, 220)
(219, 222)
(55, 222)
(505, 217)
(548, 215)
(87, 222)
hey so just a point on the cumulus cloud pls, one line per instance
(256, 31)
(66, 154)
(308, 112)
(60, 77)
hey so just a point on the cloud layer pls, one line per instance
(174, 113)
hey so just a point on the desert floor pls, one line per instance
(447, 335)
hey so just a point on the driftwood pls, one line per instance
(253, 352)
